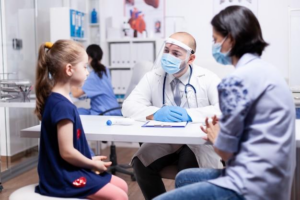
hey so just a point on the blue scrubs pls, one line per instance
(100, 91)
(57, 175)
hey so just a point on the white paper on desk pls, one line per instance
(166, 124)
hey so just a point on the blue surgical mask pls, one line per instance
(170, 63)
(222, 58)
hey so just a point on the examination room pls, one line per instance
(150, 99)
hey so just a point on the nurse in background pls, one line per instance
(97, 86)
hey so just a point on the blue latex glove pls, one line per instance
(184, 115)
(166, 114)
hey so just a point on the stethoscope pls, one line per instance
(185, 88)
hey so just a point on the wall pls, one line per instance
(197, 14)
(18, 22)
(21, 21)
(274, 23)
(43, 19)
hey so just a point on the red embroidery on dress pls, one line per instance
(80, 182)
(78, 133)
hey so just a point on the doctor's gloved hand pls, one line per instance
(183, 113)
(166, 114)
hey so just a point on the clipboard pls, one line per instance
(157, 124)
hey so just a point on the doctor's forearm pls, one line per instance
(137, 111)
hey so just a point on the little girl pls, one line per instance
(66, 168)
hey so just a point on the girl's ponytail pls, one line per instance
(43, 84)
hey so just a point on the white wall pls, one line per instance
(18, 22)
(43, 19)
(272, 15)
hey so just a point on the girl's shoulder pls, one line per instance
(58, 100)
(58, 107)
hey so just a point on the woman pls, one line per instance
(97, 86)
(255, 134)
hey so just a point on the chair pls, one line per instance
(28, 192)
(139, 70)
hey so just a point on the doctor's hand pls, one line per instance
(167, 114)
(184, 115)
(212, 129)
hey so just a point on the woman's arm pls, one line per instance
(72, 155)
(77, 92)
(224, 155)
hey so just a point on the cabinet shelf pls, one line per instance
(79, 39)
(94, 25)
(117, 40)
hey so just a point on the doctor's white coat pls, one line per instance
(147, 98)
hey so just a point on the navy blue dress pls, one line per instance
(57, 175)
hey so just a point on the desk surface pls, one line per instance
(96, 129)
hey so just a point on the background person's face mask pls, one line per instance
(222, 58)
(89, 68)
(170, 63)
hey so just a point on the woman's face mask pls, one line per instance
(222, 58)
(171, 64)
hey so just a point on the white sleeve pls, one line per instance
(199, 114)
(138, 104)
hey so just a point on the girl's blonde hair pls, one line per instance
(50, 68)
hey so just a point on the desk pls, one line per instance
(96, 129)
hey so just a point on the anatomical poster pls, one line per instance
(221, 4)
(145, 18)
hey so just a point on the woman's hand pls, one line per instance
(212, 129)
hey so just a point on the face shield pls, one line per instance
(173, 56)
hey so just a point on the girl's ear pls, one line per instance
(69, 69)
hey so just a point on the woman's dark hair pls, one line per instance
(95, 52)
(242, 26)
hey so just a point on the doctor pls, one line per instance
(175, 90)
